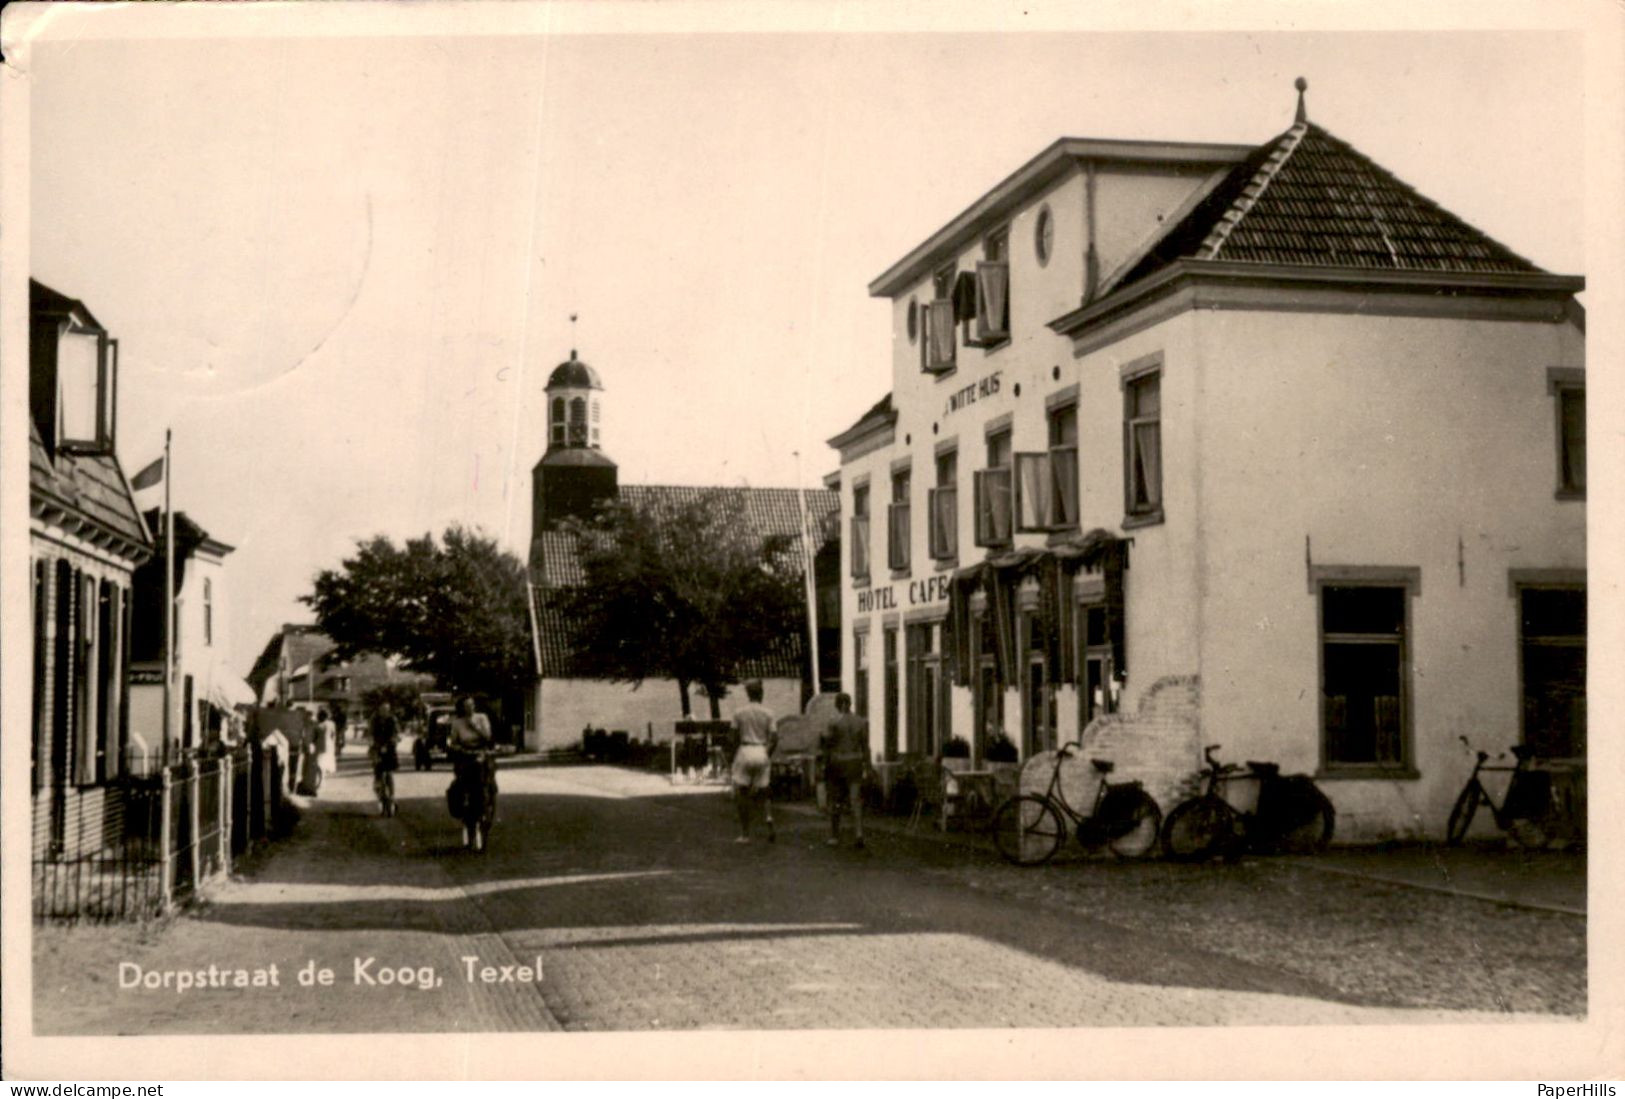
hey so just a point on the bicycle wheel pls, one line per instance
(1313, 833)
(1198, 829)
(1527, 833)
(1028, 830)
(1461, 814)
(1137, 832)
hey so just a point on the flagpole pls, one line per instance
(169, 606)
(811, 583)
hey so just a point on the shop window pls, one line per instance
(943, 504)
(897, 522)
(889, 671)
(1552, 640)
(1096, 691)
(989, 685)
(860, 532)
(939, 342)
(1567, 387)
(1142, 446)
(928, 700)
(1039, 713)
(1365, 672)
(993, 289)
(993, 493)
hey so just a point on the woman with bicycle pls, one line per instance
(471, 797)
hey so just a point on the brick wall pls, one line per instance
(1160, 744)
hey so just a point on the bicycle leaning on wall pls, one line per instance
(1029, 829)
(1529, 812)
(1291, 814)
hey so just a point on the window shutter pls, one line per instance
(993, 301)
(1064, 470)
(941, 356)
(1033, 493)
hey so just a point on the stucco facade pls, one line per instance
(1332, 466)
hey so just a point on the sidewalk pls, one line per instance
(1493, 871)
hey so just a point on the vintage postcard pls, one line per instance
(719, 540)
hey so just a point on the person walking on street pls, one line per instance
(844, 750)
(385, 732)
(472, 792)
(757, 734)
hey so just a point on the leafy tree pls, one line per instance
(453, 608)
(402, 697)
(682, 589)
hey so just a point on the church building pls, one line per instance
(572, 479)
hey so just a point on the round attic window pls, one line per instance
(1044, 235)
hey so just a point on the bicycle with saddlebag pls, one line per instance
(1028, 830)
(1291, 815)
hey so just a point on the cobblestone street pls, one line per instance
(646, 914)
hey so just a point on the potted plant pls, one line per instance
(1001, 749)
(1003, 759)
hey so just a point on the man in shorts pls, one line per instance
(844, 749)
(757, 734)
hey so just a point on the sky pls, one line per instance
(341, 269)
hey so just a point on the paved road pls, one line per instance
(644, 913)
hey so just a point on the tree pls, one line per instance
(682, 589)
(454, 609)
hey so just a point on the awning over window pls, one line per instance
(997, 579)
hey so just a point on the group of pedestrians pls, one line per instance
(843, 755)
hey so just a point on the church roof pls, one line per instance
(575, 374)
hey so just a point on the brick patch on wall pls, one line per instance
(1160, 744)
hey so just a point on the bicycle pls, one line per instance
(1291, 815)
(472, 795)
(383, 780)
(1528, 813)
(1028, 830)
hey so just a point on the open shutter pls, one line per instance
(941, 355)
(1064, 476)
(992, 301)
(1033, 492)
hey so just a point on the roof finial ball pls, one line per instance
(573, 315)
(1302, 85)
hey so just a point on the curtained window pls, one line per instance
(1142, 438)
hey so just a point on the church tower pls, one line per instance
(575, 475)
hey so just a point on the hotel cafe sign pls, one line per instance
(919, 593)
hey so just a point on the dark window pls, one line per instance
(578, 422)
(989, 686)
(1040, 715)
(1364, 672)
(557, 421)
(889, 656)
(860, 531)
(1142, 445)
(1571, 428)
(1095, 692)
(208, 612)
(928, 702)
(943, 504)
(897, 522)
(1552, 633)
(860, 674)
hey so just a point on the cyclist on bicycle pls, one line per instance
(472, 793)
(385, 732)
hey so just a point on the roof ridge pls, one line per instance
(1286, 145)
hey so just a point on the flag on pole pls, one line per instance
(149, 476)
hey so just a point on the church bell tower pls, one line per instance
(574, 475)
